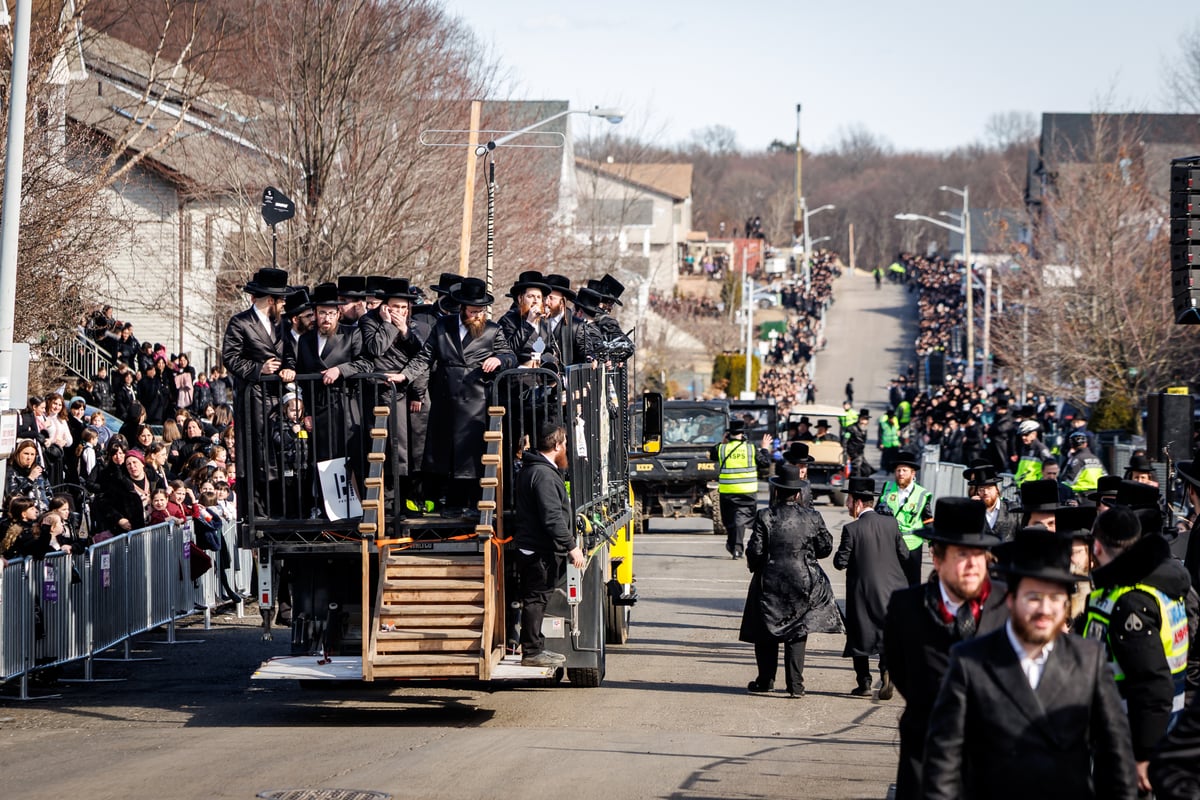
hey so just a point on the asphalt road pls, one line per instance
(672, 719)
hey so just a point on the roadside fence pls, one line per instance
(74, 607)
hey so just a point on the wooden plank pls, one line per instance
(466, 558)
(439, 596)
(378, 433)
(382, 411)
(376, 458)
(423, 571)
(490, 458)
(496, 411)
(428, 633)
(492, 436)
(402, 585)
(419, 671)
(368, 625)
(404, 619)
(430, 659)
(466, 644)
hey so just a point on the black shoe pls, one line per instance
(794, 694)
(754, 687)
(861, 691)
(887, 689)
(738, 553)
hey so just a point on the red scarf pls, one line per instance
(975, 605)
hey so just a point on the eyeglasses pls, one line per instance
(1036, 599)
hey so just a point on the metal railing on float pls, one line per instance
(66, 608)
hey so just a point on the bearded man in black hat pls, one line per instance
(1039, 501)
(1029, 711)
(871, 552)
(299, 317)
(461, 354)
(617, 346)
(923, 622)
(983, 484)
(789, 595)
(522, 323)
(556, 326)
(587, 339)
(352, 299)
(252, 349)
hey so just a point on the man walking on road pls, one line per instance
(871, 552)
(856, 445)
(543, 535)
(923, 622)
(907, 501)
(739, 463)
(1028, 711)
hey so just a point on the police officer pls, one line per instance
(1083, 469)
(1138, 609)
(909, 502)
(739, 462)
(1033, 452)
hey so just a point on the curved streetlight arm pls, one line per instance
(914, 217)
(610, 114)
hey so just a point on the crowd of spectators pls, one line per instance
(786, 376)
(940, 305)
(674, 307)
(71, 480)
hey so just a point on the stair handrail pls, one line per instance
(78, 353)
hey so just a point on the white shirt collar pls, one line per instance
(1032, 666)
(264, 320)
(951, 605)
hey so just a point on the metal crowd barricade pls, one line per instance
(240, 574)
(107, 578)
(59, 595)
(16, 620)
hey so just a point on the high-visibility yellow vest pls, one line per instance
(908, 516)
(889, 434)
(904, 412)
(739, 475)
(1173, 631)
(1089, 477)
(1029, 468)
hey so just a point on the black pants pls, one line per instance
(862, 669)
(766, 655)
(912, 565)
(539, 575)
(737, 514)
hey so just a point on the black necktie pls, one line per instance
(965, 622)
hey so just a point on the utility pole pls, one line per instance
(10, 212)
(798, 223)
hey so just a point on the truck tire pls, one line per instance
(588, 677)
(714, 512)
(616, 621)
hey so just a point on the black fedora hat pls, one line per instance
(960, 521)
(864, 413)
(612, 289)
(269, 281)
(472, 292)
(788, 477)
(797, 453)
(1139, 462)
(1039, 495)
(353, 287)
(588, 301)
(325, 294)
(375, 284)
(861, 487)
(297, 301)
(736, 426)
(1106, 488)
(530, 279)
(906, 458)
(1037, 553)
(822, 423)
(562, 285)
(981, 473)
(446, 282)
(1189, 471)
(398, 288)
(1075, 522)
(1132, 494)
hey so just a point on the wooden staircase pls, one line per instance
(432, 618)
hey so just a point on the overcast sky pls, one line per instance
(925, 75)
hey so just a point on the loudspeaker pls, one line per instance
(1169, 422)
(936, 368)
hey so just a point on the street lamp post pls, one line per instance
(964, 230)
(486, 149)
(808, 240)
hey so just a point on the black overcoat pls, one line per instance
(790, 595)
(459, 395)
(918, 651)
(391, 352)
(870, 552)
(336, 409)
(993, 736)
(245, 348)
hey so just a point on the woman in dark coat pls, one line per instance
(789, 596)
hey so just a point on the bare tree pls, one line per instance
(1183, 73)
(1097, 278)
(1011, 129)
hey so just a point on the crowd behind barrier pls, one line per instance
(70, 607)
